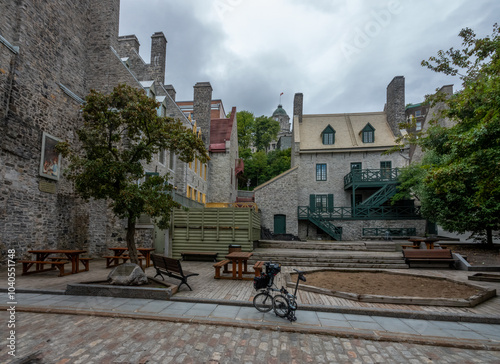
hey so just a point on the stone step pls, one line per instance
(329, 245)
(353, 265)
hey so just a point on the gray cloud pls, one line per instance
(341, 54)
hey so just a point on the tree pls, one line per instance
(122, 130)
(460, 174)
(266, 130)
(246, 129)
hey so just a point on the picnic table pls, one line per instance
(239, 261)
(429, 242)
(118, 253)
(45, 257)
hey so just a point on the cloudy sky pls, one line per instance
(341, 54)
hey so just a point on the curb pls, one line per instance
(419, 315)
(303, 329)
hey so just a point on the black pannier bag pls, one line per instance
(261, 282)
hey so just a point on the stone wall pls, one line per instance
(201, 109)
(353, 229)
(279, 197)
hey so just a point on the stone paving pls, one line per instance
(65, 339)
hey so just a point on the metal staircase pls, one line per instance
(334, 231)
(379, 197)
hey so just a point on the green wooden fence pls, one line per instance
(214, 229)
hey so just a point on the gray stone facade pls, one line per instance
(301, 184)
(51, 55)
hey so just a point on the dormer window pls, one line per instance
(368, 134)
(328, 136)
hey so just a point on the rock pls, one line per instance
(128, 274)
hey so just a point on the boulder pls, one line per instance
(128, 274)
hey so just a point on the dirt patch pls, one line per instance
(386, 284)
(478, 255)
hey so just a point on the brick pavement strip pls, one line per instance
(61, 339)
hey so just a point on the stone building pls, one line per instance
(221, 139)
(340, 182)
(284, 137)
(51, 55)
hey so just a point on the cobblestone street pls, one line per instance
(51, 338)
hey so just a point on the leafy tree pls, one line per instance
(458, 181)
(122, 130)
(246, 128)
(266, 130)
(261, 167)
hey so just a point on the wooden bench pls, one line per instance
(172, 268)
(223, 263)
(114, 261)
(257, 267)
(199, 256)
(84, 261)
(428, 256)
(27, 264)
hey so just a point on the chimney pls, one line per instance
(202, 105)
(298, 105)
(127, 42)
(158, 56)
(395, 107)
(170, 91)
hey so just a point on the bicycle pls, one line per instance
(263, 301)
(285, 304)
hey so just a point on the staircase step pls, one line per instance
(386, 246)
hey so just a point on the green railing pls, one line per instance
(381, 196)
(389, 232)
(325, 225)
(364, 213)
(371, 176)
(186, 202)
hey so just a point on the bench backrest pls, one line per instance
(169, 264)
(428, 253)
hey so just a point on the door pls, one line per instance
(280, 224)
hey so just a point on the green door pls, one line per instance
(279, 224)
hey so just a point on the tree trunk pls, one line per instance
(489, 236)
(132, 250)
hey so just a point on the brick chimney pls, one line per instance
(395, 107)
(202, 105)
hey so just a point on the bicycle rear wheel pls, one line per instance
(281, 306)
(263, 302)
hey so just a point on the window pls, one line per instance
(368, 134)
(171, 161)
(418, 125)
(321, 203)
(188, 192)
(161, 157)
(320, 172)
(418, 113)
(205, 174)
(328, 136)
(196, 166)
(355, 166)
(385, 169)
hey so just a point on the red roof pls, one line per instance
(220, 131)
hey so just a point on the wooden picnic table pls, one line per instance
(118, 254)
(239, 262)
(44, 257)
(429, 242)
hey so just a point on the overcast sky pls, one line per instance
(341, 54)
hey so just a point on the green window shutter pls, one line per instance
(312, 203)
(330, 202)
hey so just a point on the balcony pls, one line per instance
(364, 213)
(370, 177)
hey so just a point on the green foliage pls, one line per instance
(246, 128)
(261, 167)
(122, 130)
(458, 182)
(266, 130)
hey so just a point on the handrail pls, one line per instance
(371, 175)
(362, 213)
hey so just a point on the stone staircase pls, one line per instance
(355, 254)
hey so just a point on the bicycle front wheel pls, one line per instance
(281, 306)
(263, 302)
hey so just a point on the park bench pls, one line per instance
(27, 264)
(257, 267)
(172, 268)
(223, 263)
(199, 256)
(428, 256)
